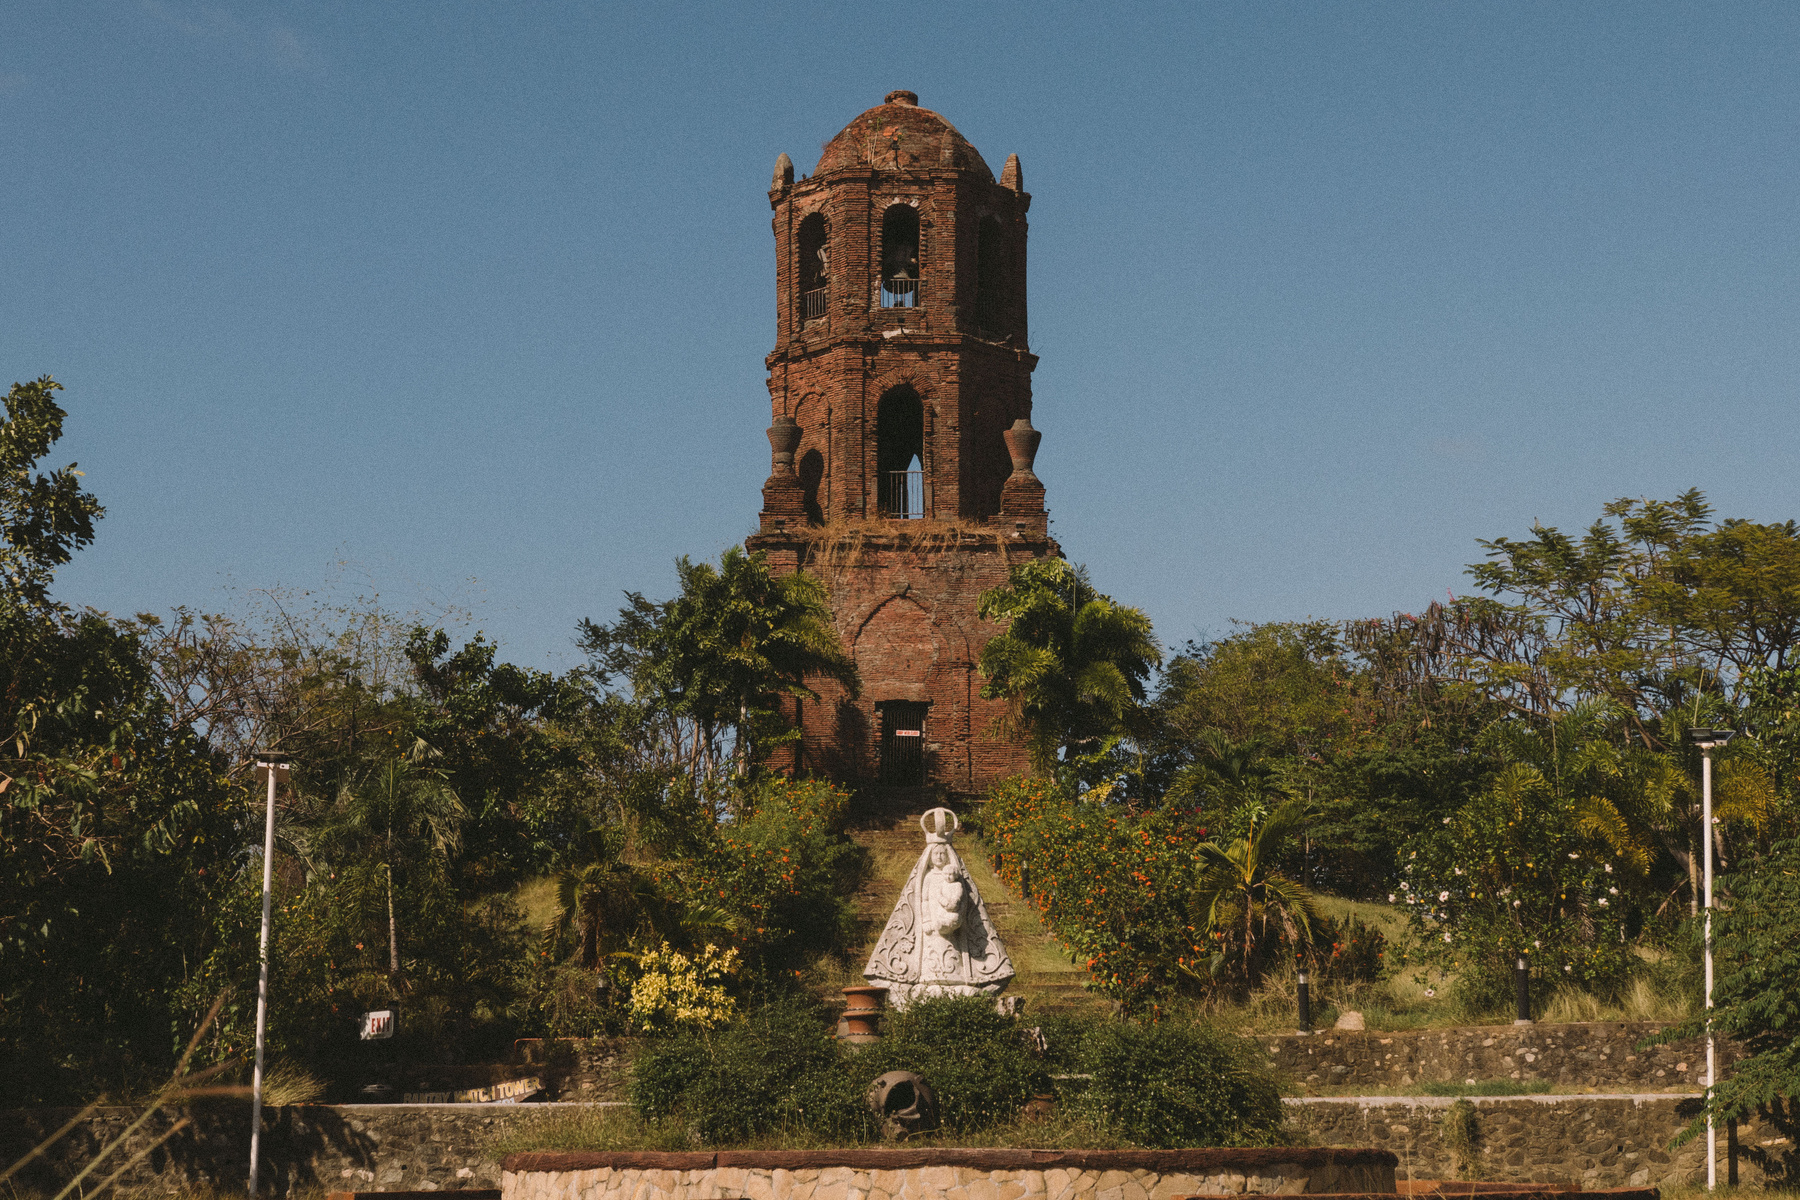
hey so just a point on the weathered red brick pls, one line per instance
(904, 592)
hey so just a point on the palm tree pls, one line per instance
(715, 658)
(402, 814)
(1243, 893)
(1071, 661)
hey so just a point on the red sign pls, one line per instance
(377, 1025)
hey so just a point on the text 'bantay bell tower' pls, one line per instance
(901, 389)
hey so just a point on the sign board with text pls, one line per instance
(377, 1025)
(510, 1092)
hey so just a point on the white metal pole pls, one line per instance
(262, 986)
(1712, 1140)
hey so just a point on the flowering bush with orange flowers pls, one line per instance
(1116, 888)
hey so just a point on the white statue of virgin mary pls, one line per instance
(939, 942)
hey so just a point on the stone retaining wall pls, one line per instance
(353, 1147)
(1589, 1141)
(1600, 1055)
(944, 1174)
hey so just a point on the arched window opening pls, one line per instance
(812, 473)
(900, 257)
(989, 271)
(900, 454)
(815, 267)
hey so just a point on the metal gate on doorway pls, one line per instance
(903, 742)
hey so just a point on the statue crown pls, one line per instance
(938, 825)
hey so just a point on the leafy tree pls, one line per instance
(1071, 661)
(1757, 995)
(711, 664)
(116, 834)
(44, 519)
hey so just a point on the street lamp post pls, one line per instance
(1709, 740)
(271, 768)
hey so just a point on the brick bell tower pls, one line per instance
(902, 476)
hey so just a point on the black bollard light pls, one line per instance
(1305, 1003)
(1522, 990)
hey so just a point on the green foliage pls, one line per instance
(1251, 907)
(1350, 951)
(1517, 873)
(718, 657)
(781, 879)
(1117, 889)
(1462, 1137)
(973, 1058)
(1167, 1085)
(779, 1068)
(1756, 940)
(1070, 660)
(116, 832)
(44, 519)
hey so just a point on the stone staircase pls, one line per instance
(886, 821)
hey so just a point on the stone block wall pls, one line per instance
(578, 1070)
(944, 1174)
(1601, 1055)
(358, 1147)
(1586, 1141)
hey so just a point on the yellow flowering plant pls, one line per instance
(676, 991)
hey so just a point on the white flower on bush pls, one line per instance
(1404, 886)
(1572, 854)
(1446, 937)
(1612, 891)
(1567, 969)
(1516, 903)
(1443, 895)
(1431, 991)
(1603, 902)
(1609, 868)
(1391, 897)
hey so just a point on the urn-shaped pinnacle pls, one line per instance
(784, 439)
(1022, 443)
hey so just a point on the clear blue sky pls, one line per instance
(480, 291)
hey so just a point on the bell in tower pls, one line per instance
(902, 441)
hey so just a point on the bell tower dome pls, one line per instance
(900, 389)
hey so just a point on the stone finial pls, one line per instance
(784, 173)
(784, 439)
(784, 499)
(1012, 175)
(1022, 444)
(1022, 496)
(902, 96)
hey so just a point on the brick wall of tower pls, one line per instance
(971, 392)
(904, 593)
(905, 608)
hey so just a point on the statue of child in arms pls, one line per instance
(939, 940)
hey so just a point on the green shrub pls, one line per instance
(971, 1056)
(1169, 1085)
(779, 1068)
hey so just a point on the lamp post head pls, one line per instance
(271, 762)
(1710, 739)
